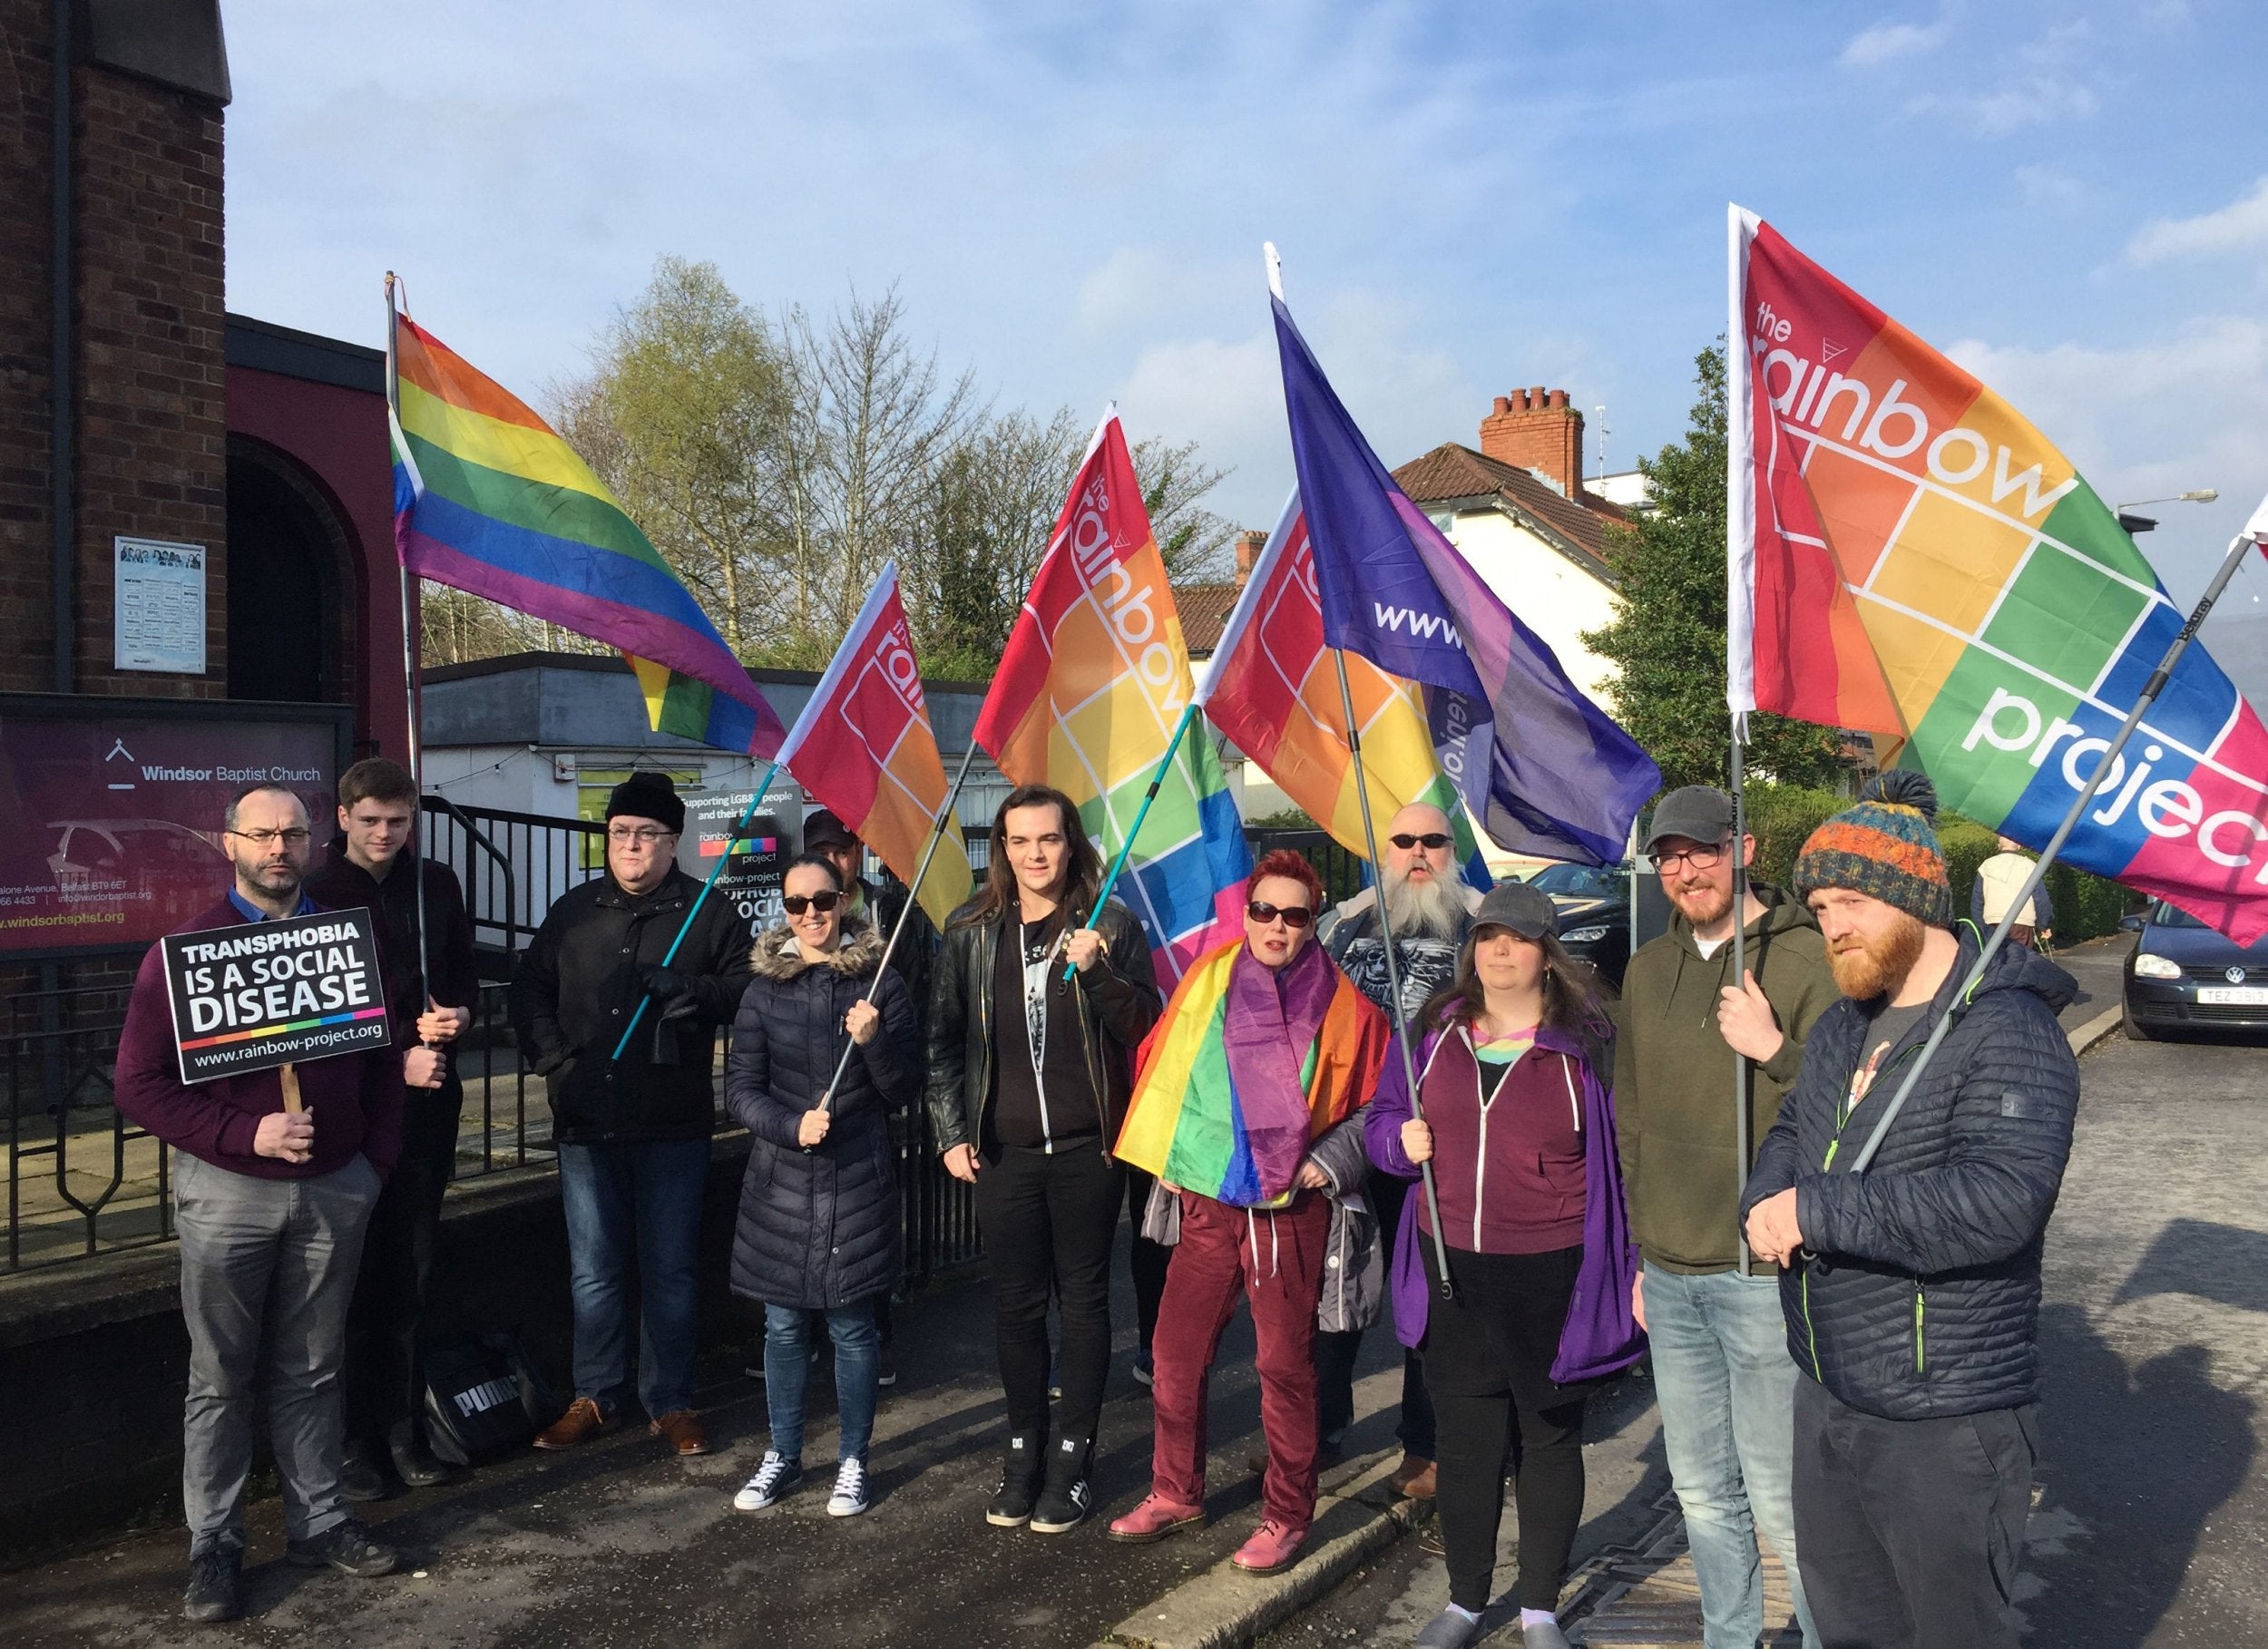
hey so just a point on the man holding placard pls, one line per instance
(276, 1168)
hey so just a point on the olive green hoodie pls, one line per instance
(1674, 1109)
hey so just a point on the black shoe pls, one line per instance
(886, 1368)
(418, 1465)
(216, 1584)
(1019, 1486)
(1065, 1499)
(346, 1546)
(359, 1479)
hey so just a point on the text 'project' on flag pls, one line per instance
(1272, 688)
(487, 498)
(864, 747)
(1091, 688)
(1908, 555)
(1545, 770)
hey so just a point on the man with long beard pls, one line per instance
(1911, 1292)
(1430, 908)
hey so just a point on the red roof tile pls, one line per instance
(1450, 471)
(1204, 609)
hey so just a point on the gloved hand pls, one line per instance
(672, 992)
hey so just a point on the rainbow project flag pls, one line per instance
(488, 499)
(1908, 555)
(1092, 687)
(864, 747)
(1274, 689)
(1188, 1122)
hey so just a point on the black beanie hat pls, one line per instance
(648, 796)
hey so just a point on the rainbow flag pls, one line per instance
(1908, 555)
(1090, 689)
(487, 498)
(1210, 1115)
(1274, 690)
(865, 748)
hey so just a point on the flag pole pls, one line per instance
(913, 898)
(1188, 714)
(1393, 966)
(1740, 1120)
(2148, 695)
(755, 800)
(409, 673)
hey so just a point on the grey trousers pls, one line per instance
(268, 1266)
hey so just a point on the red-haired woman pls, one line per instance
(1245, 1102)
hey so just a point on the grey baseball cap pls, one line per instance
(1527, 911)
(1699, 813)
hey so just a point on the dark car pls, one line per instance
(2183, 976)
(1594, 903)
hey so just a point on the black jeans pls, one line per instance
(1148, 1260)
(1335, 1353)
(384, 1382)
(1910, 1532)
(1048, 1222)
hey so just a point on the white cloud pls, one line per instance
(2241, 224)
(2030, 100)
(1887, 42)
(2048, 186)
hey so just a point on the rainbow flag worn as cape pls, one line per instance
(1246, 1068)
(487, 498)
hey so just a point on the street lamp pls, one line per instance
(2143, 524)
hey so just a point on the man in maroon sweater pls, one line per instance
(271, 1207)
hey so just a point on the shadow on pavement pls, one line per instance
(2223, 1264)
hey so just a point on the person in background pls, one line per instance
(372, 864)
(818, 1225)
(271, 1204)
(634, 1132)
(1999, 880)
(1518, 1124)
(1722, 1373)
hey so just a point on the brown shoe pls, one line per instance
(681, 1431)
(1414, 1479)
(583, 1420)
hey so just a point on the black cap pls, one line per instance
(1699, 813)
(1527, 911)
(823, 829)
(648, 796)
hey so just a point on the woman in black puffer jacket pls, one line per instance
(819, 1228)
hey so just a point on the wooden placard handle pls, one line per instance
(291, 1079)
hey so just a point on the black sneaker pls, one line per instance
(346, 1546)
(1019, 1486)
(886, 1368)
(359, 1479)
(1065, 1500)
(216, 1584)
(418, 1465)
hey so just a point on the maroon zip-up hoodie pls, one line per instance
(356, 1098)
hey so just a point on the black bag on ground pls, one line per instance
(482, 1397)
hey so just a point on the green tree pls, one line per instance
(1668, 641)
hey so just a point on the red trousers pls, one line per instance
(1276, 1259)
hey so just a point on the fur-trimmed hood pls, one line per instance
(776, 955)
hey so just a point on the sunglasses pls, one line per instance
(797, 904)
(1431, 839)
(1295, 916)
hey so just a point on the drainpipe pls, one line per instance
(63, 458)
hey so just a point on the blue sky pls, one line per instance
(2072, 200)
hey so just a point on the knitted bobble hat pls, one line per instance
(1883, 847)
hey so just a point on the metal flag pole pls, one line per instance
(913, 898)
(755, 800)
(1173, 745)
(1740, 1120)
(409, 671)
(2150, 690)
(1393, 966)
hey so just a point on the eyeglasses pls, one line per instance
(1432, 839)
(294, 837)
(1698, 858)
(645, 836)
(1295, 916)
(797, 904)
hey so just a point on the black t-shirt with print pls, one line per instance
(1041, 1096)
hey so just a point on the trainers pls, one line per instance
(1018, 1487)
(346, 1546)
(681, 1431)
(216, 1584)
(1453, 1628)
(773, 1478)
(886, 1368)
(1272, 1547)
(1145, 1369)
(583, 1420)
(849, 1498)
(1065, 1499)
(417, 1465)
(359, 1479)
(1155, 1518)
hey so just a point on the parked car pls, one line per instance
(2183, 976)
(1594, 903)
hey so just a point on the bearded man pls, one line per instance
(1911, 1291)
(1430, 907)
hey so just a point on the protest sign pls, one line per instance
(270, 993)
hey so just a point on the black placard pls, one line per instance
(269, 993)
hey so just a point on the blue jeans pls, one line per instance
(1726, 1386)
(788, 1372)
(643, 1200)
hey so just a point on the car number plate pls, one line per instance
(2232, 994)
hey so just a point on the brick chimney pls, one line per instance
(1249, 543)
(1536, 430)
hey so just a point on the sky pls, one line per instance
(2072, 200)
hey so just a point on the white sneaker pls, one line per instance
(849, 1498)
(773, 1479)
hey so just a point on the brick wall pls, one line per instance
(1537, 430)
